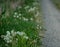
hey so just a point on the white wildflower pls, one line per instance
(17, 32)
(31, 19)
(8, 33)
(26, 37)
(2, 36)
(19, 14)
(27, 7)
(20, 33)
(25, 19)
(6, 38)
(13, 33)
(37, 25)
(32, 9)
(8, 41)
(16, 39)
(15, 13)
(40, 27)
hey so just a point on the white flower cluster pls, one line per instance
(31, 19)
(10, 35)
(39, 27)
(25, 19)
(32, 9)
(16, 15)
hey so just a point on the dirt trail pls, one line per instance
(52, 24)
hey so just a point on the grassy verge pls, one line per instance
(21, 27)
(57, 3)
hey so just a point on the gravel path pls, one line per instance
(52, 24)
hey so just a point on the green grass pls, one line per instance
(57, 3)
(24, 19)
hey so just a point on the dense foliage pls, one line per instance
(21, 20)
